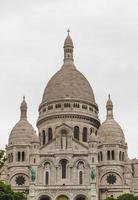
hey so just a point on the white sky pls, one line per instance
(105, 35)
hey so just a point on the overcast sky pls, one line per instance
(105, 36)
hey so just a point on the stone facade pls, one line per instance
(73, 156)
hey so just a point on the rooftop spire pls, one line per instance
(68, 49)
(109, 108)
(23, 109)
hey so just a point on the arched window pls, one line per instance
(44, 137)
(23, 156)
(76, 132)
(50, 135)
(18, 156)
(101, 155)
(113, 155)
(123, 156)
(120, 154)
(98, 157)
(84, 135)
(63, 168)
(108, 155)
(93, 160)
(9, 160)
(80, 177)
(47, 178)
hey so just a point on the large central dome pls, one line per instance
(68, 82)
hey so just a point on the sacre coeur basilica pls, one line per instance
(73, 156)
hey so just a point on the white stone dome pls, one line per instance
(110, 131)
(23, 132)
(68, 83)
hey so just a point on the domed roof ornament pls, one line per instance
(68, 49)
(23, 109)
(109, 107)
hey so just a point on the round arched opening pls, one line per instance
(62, 197)
(81, 197)
(44, 197)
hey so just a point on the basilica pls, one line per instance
(72, 155)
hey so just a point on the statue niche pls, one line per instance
(63, 139)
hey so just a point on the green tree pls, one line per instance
(126, 197)
(6, 193)
(2, 158)
(110, 198)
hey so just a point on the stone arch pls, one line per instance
(19, 179)
(44, 197)
(80, 197)
(119, 179)
(42, 163)
(77, 160)
(62, 197)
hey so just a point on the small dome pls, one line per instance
(23, 132)
(111, 132)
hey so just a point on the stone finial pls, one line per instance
(23, 109)
(109, 108)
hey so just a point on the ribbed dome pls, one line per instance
(68, 83)
(111, 132)
(22, 133)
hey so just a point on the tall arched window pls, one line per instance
(98, 156)
(63, 168)
(47, 178)
(108, 155)
(9, 160)
(84, 134)
(50, 134)
(80, 177)
(113, 155)
(101, 155)
(123, 155)
(44, 137)
(23, 156)
(18, 156)
(76, 132)
(120, 154)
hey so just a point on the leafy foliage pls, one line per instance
(2, 158)
(124, 197)
(6, 193)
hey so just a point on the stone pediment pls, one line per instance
(79, 145)
(49, 147)
(52, 148)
